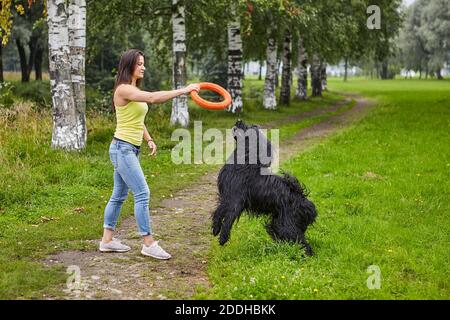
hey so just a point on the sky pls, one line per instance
(408, 2)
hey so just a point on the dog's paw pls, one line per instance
(223, 240)
(309, 251)
(216, 230)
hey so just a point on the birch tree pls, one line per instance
(286, 75)
(180, 113)
(68, 132)
(269, 100)
(302, 72)
(323, 76)
(235, 62)
(77, 47)
(316, 83)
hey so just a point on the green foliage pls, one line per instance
(425, 36)
(35, 91)
(6, 94)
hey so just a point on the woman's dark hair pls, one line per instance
(127, 64)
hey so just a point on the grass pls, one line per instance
(51, 200)
(382, 191)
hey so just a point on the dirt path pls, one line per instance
(182, 223)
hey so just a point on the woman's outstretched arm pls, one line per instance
(132, 93)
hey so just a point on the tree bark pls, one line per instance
(180, 113)
(302, 82)
(235, 73)
(277, 72)
(32, 45)
(77, 47)
(384, 70)
(23, 61)
(438, 74)
(316, 83)
(260, 70)
(286, 75)
(269, 100)
(65, 132)
(345, 69)
(323, 76)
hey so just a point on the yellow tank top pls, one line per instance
(130, 122)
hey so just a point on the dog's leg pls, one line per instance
(234, 210)
(305, 244)
(217, 218)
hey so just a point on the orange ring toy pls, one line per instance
(208, 104)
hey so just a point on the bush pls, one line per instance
(98, 100)
(34, 91)
(6, 94)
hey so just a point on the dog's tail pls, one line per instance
(295, 185)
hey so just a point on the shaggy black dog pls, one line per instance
(244, 186)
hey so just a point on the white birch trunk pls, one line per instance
(77, 45)
(269, 100)
(286, 74)
(302, 82)
(323, 76)
(235, 63)
(64, 134)
(180, 113)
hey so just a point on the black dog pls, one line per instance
(243, 186)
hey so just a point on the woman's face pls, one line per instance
(139, 68)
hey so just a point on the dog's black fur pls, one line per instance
(243, 187)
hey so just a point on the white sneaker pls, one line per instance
(113, 246)
(155, 251)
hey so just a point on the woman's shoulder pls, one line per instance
(124, 87)
(120, 93)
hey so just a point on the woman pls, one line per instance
(130, 104)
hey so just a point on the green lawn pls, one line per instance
(382, 191)
(52, 200)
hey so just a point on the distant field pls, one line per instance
(17, 76)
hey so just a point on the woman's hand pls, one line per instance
(151, 144)
(192, 87)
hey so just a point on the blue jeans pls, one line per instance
(128, 174)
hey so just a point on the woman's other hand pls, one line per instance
(151, 144)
